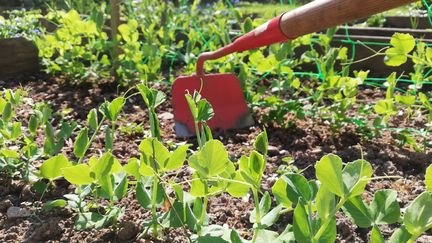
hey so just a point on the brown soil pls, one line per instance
(306, 141)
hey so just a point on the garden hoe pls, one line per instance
(224, 91)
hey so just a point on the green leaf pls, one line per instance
(81, 143)
(302, 232)
(376, 236)
(106, 183)
(121, 186)
(394, 57)
(52, 168)
(384, 107)
(418, 215)
(116, 106)
(325, 203)
(356, 175)
(205, 111)
(385, 207)
(104, 166)
(329, 173)
(108, 139)
(7, 112)
(329, 234)
(401, 235)
(287, 236)
(9, 154)
(78, 175)
(211, 239)
(356, 209)
(2, 105)
(152, 97)
(59, 203)
(197, 186)
(143, 195)
(298, 189)
(33, 124)
(236, 189)
(192, 106)
(267, 236)
(211, 160)
(271, 217)
(153, 148)
(256, 165)
(132, 168)
(247, 25)
(261, 143)
(192, 217)
(428, 178)
(92, 119)
(402, 45)
(280, 192)
(425, 100)
(407, 100)
(405, 43)
(175, 216)
(177, 158)
(235, 238)
(87, 220)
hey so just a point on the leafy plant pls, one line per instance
(20, 24)
(152, 98)
(202, 111)
(77, 47)
(417, 219)
(337, 186)
(103, 178)
(155, 161)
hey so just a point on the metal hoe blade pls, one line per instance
(224, 93)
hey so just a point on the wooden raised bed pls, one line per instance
(405, 22)
(372, 38)
(18, 56)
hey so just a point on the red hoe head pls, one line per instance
(224, 93)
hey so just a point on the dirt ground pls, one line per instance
(306, 141)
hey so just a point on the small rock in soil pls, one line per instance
(273, 151)
(5, 204)
(127, 231)
(166, 116)
(283, 152)
(17, 212)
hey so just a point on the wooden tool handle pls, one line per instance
(322, 14)
(315, 16)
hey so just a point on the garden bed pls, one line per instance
(306, 141)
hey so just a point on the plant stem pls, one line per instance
(45, 189)
(415, 236)
(256, 201)
(204, 208)
(257, 214)
(323, 227)
(198, 134)
(112, 134)
(153, 201)
(93, 137)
